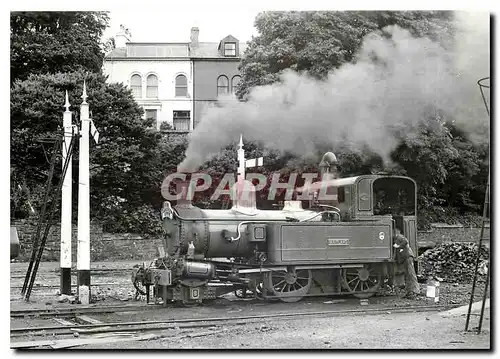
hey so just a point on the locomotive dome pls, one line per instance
(243, 197)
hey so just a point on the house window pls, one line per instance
(181, 87)
(152, 86)
(136, 86)
(152, 115)
(234, 83)
(230, 49)
(181, 120)
(222, 85)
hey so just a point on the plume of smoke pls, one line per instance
(395, 80)
(472, 62)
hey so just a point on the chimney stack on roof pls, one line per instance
(122, 37)
(194, 36)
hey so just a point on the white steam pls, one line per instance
(395, 80)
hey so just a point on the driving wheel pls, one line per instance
(362, 282)
(288, 286)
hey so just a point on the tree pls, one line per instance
(320, 41)
(425, 158)
(124, 165)
(51, 42)
(52, 52)
(315, 42)
(464, 175)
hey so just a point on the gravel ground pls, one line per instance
(382, 331)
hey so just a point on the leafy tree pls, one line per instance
(52, 52)
(56, 41)
(109, 45)
(465, 172)
(424, 154)
(315, 42)
(320, 41)
(124, 165)
(437, 25)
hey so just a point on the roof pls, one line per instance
(211, 50)
(208, 50)
(338, 182)
(118, 52)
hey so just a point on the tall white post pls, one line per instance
(66, 210)
(241, 161)
(83, 257)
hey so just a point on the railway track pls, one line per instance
(189, 323)
(61, 312)
(57, 286)
(20, 273)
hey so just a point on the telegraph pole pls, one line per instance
(83, 256)
(66, 211)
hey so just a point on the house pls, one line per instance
(175, 82)
(215, 70)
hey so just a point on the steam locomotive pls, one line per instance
(342, 245)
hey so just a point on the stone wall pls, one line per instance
(122, 246)
(442, 233)
(103, 246)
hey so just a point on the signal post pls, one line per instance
(66, 211)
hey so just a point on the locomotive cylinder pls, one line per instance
(200, 270)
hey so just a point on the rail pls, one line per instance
(208, 322)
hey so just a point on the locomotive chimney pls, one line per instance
(182, 189)
(328, 166)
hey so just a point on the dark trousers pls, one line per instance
(406, 270)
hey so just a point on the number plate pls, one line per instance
(338, 241)
(195, 293)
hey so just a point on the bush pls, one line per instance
(165, 126)
(448, 215)
(144, 220)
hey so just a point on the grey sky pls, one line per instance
(175, 25)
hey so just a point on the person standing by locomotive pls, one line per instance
(404, 260)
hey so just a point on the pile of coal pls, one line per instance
(453, 262)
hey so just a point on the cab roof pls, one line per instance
(347, 181)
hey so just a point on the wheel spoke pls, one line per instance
(278, 284)
(357, 283)
(352, 280)
(278, 274)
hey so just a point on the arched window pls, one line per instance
(222, 85)
(136, 85)
(152, 86)
(181, 86)
(234, 83)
